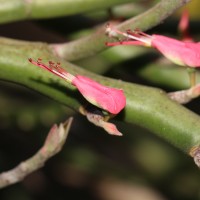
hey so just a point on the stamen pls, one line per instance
(141, 39)
(138, 32)
(54, 68)
(146, 39)
(39, 60)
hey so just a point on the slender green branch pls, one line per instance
(147, 107)
(53, 144)
(95, 42)
(161, 72)
(111, 57)
(13, 10)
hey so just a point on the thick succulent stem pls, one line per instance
(147, 107)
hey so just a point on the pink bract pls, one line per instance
(111, 99)
(181, 53)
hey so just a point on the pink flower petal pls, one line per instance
(110, 99)
(181, 53)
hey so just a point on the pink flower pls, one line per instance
(110, 99)
(107, 98)
(180, 52)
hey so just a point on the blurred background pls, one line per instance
(93, 165)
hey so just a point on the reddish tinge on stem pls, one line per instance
(53, 68)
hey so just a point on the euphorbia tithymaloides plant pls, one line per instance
(182, 53)
(109, 99)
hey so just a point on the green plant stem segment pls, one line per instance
(14, 10)
(160, 73)
(147, 107)
(52, 145)
(94, 43)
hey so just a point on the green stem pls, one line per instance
(13, 10)
(94, 43)
(160, 73)
(147, 107)
(192, 76)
